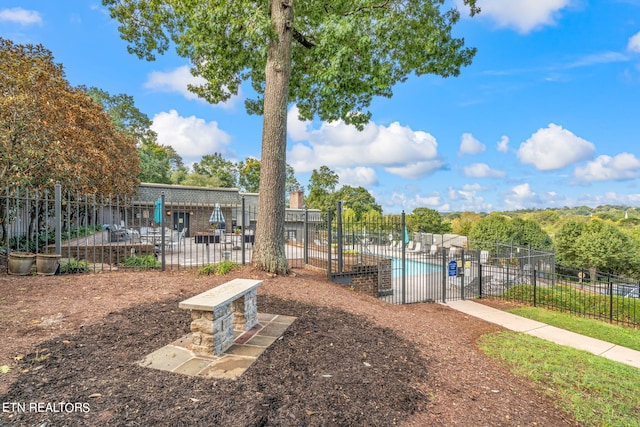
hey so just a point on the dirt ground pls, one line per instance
(72, 343)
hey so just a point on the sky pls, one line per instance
(547, 116)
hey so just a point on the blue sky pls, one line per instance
(547, 116)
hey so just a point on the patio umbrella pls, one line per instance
(406, 235)
(216, 216)
(157, 212)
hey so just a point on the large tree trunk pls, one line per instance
(269, 254)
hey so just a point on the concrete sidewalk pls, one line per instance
(549, 333)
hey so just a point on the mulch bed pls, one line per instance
(347, 360)
(306, 378)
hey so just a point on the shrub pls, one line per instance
(71, 266)
(142, 262)
(222, 268)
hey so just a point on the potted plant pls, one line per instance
(20, 263)
(47, 264)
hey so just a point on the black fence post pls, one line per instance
(163, 221)
(306, 235)
(479, 275)
(329, 244)
(610, 287)
(339, 235)
(242, 238)
(535, 288)
(58, 216)
(444, 274)
(404, 258)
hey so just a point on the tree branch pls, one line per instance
(300, 38)
(377, 6)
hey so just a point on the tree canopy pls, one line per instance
(330, 58)
(157, 162)
(358, 199)
(497, 227)
(50, 131)
(213, 165)
(249, 176)
(464, 223)
(322, 185)
(597, 245)
(427, 220)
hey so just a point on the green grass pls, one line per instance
(614, 334)
(592, 389)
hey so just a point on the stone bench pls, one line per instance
(217, 312)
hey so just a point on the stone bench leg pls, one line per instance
(212, 332)
(245, 310)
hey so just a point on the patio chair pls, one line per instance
(134, 235)
(417, 249)
(175, 240)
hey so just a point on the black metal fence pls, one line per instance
(434, 267)
(95, 234)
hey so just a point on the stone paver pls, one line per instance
(248, 346)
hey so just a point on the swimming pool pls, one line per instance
(413, 267)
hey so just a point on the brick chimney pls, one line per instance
(296, 199)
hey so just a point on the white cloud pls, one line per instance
(408, 204)
(482, 170)
(358, 177)
(634, 43)
(523, 15)
(467, 198)
(624, 166)
(20, 16)
(178, 80)
(597, 58)
(613, 198)
(503, 144)
(417, 169)
(398, 149)
(296, 128)
(470, 145)
(191, 137)
(520, 197)
(523, 197)
(554, 148)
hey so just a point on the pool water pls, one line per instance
(413, 267)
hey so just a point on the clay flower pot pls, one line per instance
(47, 264)
(20, 263)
